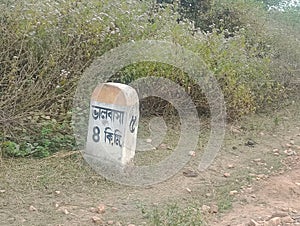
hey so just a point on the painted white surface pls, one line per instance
(112, 130)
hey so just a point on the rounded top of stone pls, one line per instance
(115, 93)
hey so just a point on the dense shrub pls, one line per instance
(46, 45)
(285, 27)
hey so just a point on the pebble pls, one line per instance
(230, 166)
(250, 143)
(253, 223)
(32, 208)
(284, 209)
(234, 192)
(287, 219)
(114, 209)
(110, 222)
(163, 146)
(205, 208)
(214, 209)
(234, 129)
(289, 152)
(226, 174)
(208, 195)
(275, 221)
(293, 210)
(101, 208)
(97, 220)
(66, 211)
(261, 176)
(192, 153)
(93, 210)
(279, 214)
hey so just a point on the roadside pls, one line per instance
(246, 182)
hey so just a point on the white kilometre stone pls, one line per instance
(113, 123)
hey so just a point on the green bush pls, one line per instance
(44, 48)
(285, 27)
(46, 45)
(53, 137)
(242, 71)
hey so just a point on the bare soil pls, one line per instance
(277, 196)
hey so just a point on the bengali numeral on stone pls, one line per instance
(96, 134)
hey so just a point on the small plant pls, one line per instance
(174, 215)
(50, 139)
(276, 121)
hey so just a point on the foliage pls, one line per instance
(53, 137)
(269, 3)
(207, 13)
(238, 62)
(285, 29)
(46, 45)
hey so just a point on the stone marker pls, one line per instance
(113, 123)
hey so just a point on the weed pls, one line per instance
(50, 139)
(174, 215)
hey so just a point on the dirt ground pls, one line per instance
(248, 184)
(277, 196)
